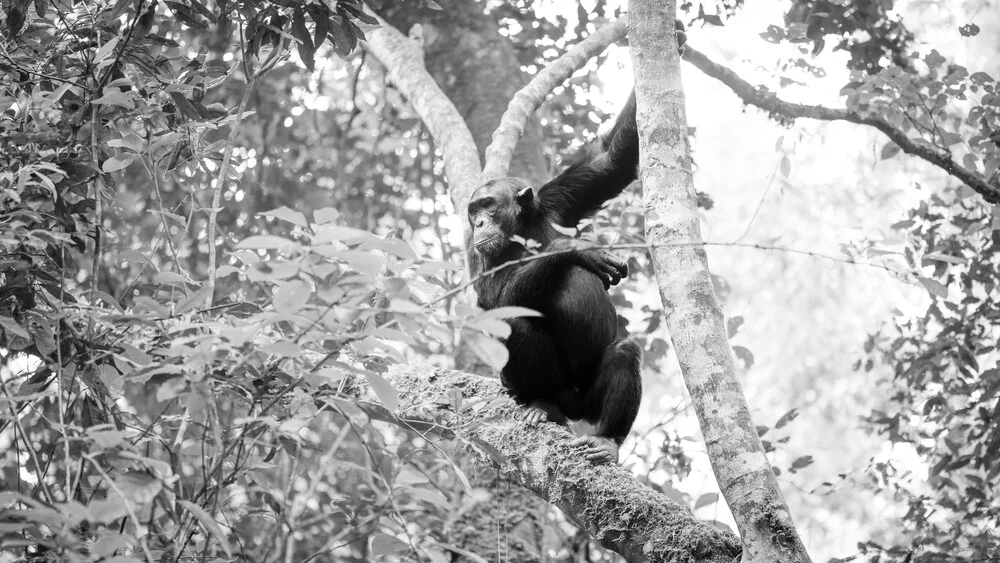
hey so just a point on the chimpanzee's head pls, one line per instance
(494, 213)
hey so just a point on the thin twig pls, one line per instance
(220, 181)
(644, 246)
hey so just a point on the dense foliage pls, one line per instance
(213, 214)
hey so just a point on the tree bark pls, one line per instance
(607, 501)
(693, 315)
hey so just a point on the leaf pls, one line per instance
(384, 544)
(981, 78)
(801, 462)
(733, 325)
(383, 390)
(283, 348)
(138, 487)
(267, 242)
(325, 215)
(12, 328)
(170, 389)
(305, 42)
(117, 162)
(105, 51)
(185, 106)
(135, 355)
(109, 299)
(745, 355)
(203, 10)
(209, 523)
(343, 42)
(196, 300)
(110, 543)
(186, 16)
(432, 496)
(322, 27)
(107, 510)
(394, 246)
(786, 418)
(889, 150)
(286, 214)
(933, 287)
(347, 235)
(508, 313)
(494, 327)
(940, 257)
(706, 499)
(404, 306)
(170, 277)
(291, 296)
(969, 30)
(488, 350)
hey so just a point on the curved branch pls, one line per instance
(770, 102)
(607, 501)
(404, 62)
(527, 99)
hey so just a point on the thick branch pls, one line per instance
(402, 58)
(693, 315)
(606, 501)
(770, 102)
(527, 99)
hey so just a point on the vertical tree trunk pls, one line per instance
(693, 315)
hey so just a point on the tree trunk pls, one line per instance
(693, 315)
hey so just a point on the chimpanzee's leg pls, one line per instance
(536, 376)
(612, 402)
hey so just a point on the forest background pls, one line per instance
(147, 414)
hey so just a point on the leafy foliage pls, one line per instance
(145, 416)
(946, 389)
(868, 30)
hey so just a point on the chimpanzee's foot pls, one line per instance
(597, 449)
(535, 415)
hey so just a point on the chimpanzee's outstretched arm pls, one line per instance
(608, 168)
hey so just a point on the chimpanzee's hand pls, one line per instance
(606, 265)
(681, 36)
(602, 263)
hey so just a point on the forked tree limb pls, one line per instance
(607, 501)
(694, 317)
(770, 102)
(527, 99)
(403, 60)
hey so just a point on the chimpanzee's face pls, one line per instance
(493, 213)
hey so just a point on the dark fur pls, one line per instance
(573, 362)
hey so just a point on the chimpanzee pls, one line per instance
(573, 362)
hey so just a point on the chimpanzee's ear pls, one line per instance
(525, 196)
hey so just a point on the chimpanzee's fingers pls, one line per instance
(620, 266)
(611, 275)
